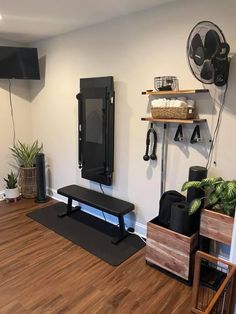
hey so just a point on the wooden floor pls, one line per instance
(41, 272)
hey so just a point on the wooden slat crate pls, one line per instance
(170, 250)
(216, 226)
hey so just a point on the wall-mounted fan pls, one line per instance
(207, 52)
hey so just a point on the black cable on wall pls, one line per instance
(12, 114)
(217, 128)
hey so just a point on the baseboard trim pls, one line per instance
(140, 229)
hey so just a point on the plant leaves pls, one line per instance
(229, 206)
(194, 205)
(210, 182)
(191, 184)
(213, 198)
(219, 188)
(25, 154)
(228, 209)
(11, 180)
(231, 189)
(231, 202)
(207, 181)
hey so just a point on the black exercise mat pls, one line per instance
(91, 233)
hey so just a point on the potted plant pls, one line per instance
(25, 155)
(219, 207)
(12, 190)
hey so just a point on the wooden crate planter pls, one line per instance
(216, 226)
(170, 250)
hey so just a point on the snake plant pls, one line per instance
(25, 154)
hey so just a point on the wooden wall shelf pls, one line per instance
(167, 122)
(175, 92)
(190, 121)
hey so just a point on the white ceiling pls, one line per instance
(32, 20)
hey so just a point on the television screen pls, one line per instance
(19, 63)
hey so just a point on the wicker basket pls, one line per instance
(173, 113)
(28, 183)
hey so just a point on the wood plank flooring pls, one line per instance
(41, 272)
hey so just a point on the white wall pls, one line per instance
(134, 49)
(22, 117)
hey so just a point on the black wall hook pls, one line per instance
(179, 134)
(196, 137)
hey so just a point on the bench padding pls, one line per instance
(106, 203)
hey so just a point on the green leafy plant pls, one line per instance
(11, 180)
(220, 195)
(25, 154)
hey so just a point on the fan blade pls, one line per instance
(196, 50)
(211, 44)
(207, 72)
(199, 56)
(196, 42)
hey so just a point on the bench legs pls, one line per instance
(122, 232)
(69, 210)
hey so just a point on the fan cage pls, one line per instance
(201, 28)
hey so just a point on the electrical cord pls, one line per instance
(12, 113)
(132, 232)
(102, 210)
(101, 188)
(127, 229)
(217, 127)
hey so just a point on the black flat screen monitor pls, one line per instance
(19, 63)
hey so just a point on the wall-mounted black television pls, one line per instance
(19, 63)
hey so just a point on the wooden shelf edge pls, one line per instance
(175, 92)
(150, 119)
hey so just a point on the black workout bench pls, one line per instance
(106, 203)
